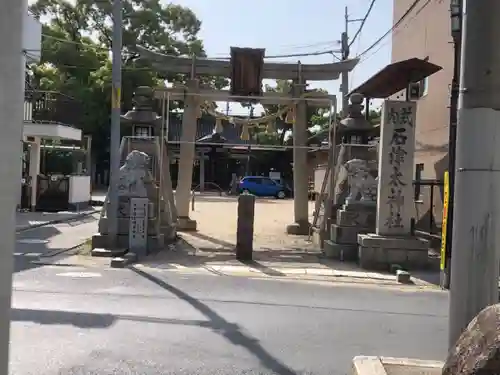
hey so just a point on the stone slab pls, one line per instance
(107, 253)
(392, 242)
(340, 252)
(346, 234)
(373, 365)
(356, 218)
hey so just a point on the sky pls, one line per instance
(295, 26)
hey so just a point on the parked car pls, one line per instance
(263, 187)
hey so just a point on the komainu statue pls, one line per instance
(362, 184)
(133, 174)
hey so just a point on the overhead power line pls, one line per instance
(408, 11)
(363, 22)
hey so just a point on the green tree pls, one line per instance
(76, 44)
(317, 118)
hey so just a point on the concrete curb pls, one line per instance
(56, 221)
(372, 365)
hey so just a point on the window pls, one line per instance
(424, 87)
(268, 181)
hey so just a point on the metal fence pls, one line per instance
(428, 205)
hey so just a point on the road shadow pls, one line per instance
(231, 331)
(95, 320)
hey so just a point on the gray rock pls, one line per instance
(477, 351)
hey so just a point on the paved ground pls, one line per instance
(276, 253)
(69, 320)
(27, 219)
(216, 217)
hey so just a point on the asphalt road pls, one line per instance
(68, 320)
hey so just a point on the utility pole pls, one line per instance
(456, 33)
(345, 49)
(344, 41)
(11, 118)
(476, 225)
(114, 149)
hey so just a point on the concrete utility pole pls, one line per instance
(344, 41)
(456, 33)
(11, 118)
(114, 149)
(476, 220)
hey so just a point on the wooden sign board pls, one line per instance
(247, 65)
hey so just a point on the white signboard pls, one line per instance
(396, 158)
(138, 230)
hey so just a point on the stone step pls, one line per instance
(154, 243)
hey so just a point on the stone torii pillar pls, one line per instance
(301, 224)
(186, 157)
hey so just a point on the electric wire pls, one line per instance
(388, 32)
(363, 21)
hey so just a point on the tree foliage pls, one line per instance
(75, 57)
(317, 118)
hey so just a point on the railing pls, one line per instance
(50, 107)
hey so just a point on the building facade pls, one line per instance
(425, 33)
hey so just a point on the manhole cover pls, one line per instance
(80, 274)
(32, 241)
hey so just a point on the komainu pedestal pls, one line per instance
(136, 192)
(357, 215)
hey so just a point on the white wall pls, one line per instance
(32, 37)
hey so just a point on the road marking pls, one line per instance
(32, 241)
(80, 274)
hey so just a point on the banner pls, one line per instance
(446, 197)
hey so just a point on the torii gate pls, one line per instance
(192, 94)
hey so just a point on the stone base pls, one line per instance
(185, 224)
(124, 226)
(299, 229)
(342, 252)
(395, 366)
(380, 252)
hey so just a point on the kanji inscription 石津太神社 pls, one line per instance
(397, 145)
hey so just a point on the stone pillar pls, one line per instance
(202, 172)
(396, 160)
(186, 158)
(34, 170)
(245, 227)
(393, 242)
(301, 224)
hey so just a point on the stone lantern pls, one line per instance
(355, 128)
(144, 121)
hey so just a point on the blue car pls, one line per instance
(263, 187)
